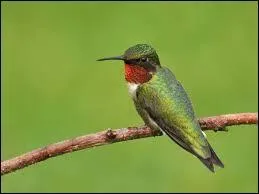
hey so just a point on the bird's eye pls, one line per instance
(143, 59)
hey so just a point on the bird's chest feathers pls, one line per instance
(132, 87)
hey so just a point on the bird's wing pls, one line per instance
(167, 104)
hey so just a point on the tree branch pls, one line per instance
(216, 123)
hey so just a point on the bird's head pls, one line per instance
(141, 62)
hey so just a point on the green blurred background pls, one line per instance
(54, 89)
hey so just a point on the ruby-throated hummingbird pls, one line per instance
(162, 102)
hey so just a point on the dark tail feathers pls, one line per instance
(212, 160)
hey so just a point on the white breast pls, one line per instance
(132, 89)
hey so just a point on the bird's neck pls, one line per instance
(137, 74)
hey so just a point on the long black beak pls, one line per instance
(112, 58)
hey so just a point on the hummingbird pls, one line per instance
(163, 103)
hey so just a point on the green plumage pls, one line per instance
(139, 51)
(163, 104)
(166, 102)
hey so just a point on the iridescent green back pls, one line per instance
(164, 98)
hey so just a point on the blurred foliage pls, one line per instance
(54, 89)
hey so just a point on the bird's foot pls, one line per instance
(220, 129)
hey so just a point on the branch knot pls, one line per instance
(110, 134)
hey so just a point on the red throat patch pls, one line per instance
(136, 74)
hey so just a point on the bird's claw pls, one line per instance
(220, 129)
